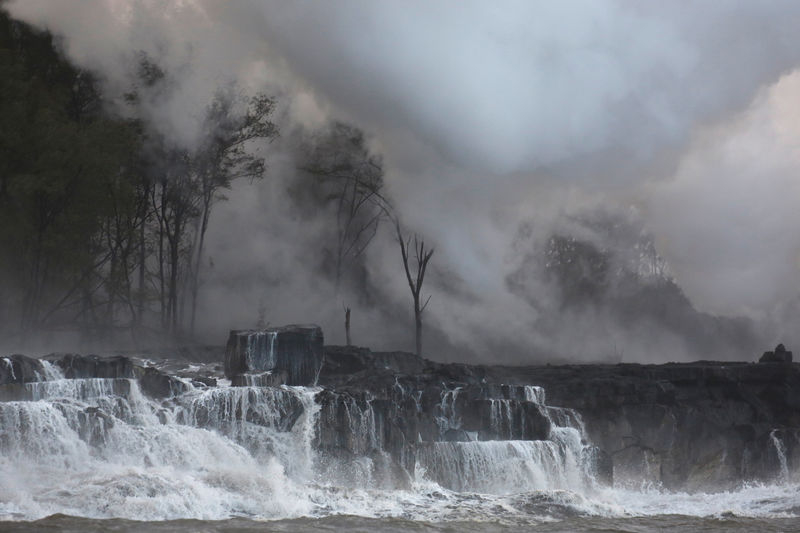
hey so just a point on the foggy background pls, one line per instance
(602, 180)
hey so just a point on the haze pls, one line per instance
(499, 126)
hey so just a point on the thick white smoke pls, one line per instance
(489, 114)
(727, 219)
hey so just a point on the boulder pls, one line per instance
(344, 364)
(779, 355)
(203, 381)
(76, 366)
(20, 369)
(296, 350)
(456, 435)
(158, 385)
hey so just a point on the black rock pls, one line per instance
(158, 385)
(20, 369)
(295, 349)
(94, 366)
(353, 364)
(780, 355)
(456, 435)
(603, 465)
(204, 381)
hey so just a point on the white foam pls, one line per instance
(534, 394)
(51, 371)
(780, 451)
(100, 448)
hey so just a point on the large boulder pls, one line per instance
(159, 385)
(20, 369)
(77, 366)
(296, 350)
(780, 355)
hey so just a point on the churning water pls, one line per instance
(97, 454)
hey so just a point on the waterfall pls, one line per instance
(269, 422)
(508, 466)
(72, 445)
(103, 447)
(503, 467)
(51, 371)
(780, 451)
(260, 350)
(77, 389)
(10, 364)
(448, 417)
(534, 394)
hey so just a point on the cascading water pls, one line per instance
(448, 419)
(780, 451)
(502, 467)
(512, 466)
(51, 371)
(100, 447)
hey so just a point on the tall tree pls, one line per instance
(226, 155)
(349, 177)
(103, 220)
(56, 147)
(421, 259)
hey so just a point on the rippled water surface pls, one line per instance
(676, 523)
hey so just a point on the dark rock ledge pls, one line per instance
(689, 425)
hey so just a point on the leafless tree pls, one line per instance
(421, 257)
(348, 176)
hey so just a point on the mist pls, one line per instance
(499, 127)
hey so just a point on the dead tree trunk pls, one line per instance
(422, 257)
(347, 325)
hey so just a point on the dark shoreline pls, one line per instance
(686, 426)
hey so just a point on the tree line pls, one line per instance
(103, 220)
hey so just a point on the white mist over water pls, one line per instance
(100, 448)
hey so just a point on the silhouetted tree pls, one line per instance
(421, 258)
(348, 176)
(225, 156)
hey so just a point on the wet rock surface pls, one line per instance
(20, 369)
(93, 366)
(684, 425)
(687, 426)
(779, 355)
(295, 349)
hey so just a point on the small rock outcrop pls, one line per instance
(19, 374)
(296, 350)
(159, 385)
(20, 369)
(76, 366)
(779, 355)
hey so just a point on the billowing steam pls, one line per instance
(500, 124)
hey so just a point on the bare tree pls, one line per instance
(422, 257)
(174, 202)
(348, 176)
